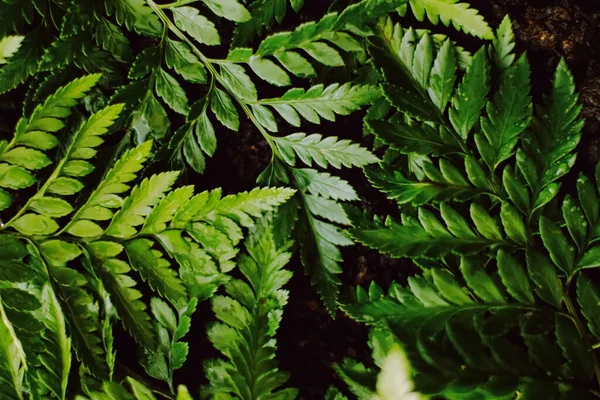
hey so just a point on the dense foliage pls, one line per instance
(121, 103)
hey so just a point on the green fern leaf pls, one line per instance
(324, 152)
(441, 185)
(414, 138)
(503, 45)
(470, 96)
(9, 46)
(244, 206)
(105, 197)
(321, 102)
(555, 135)
(12, 357)
(24, 62)
(131, 310)
(154, 269)
(450, 11)
(222, 106)
(428, 237)
(250, 318)
(111, 38)
(508, 115)
(443, 76)
(198, 26)
(58, 359)
(83, 321)
(179, 57)
(138, 205)
(323, 184)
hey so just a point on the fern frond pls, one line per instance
(135, 15)
(249, 321)
(508, 116)
(242, 207)
(451, 11)
(24, 62)
(428, 237)
(12, 358)
(323, 184)
(321, 102)
(555, 134)
(439, 184)
(437, 308)
(58, 359)
(156, 270)
(324, 152)
(139, 204)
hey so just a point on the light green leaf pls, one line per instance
(265, 117)
(269, 71)
(85, 228)
(164, 211)
(198, 26)
(452, 12)
(12, 358)
(164, 314)
(238, 82)
(296, 64)
(51, 207)
(323, 184)
(33, 224)
(324, 152)
(503, 45)
(9, 46)
(138, 204)
(323, 53)
(59, 252)
(65, 186)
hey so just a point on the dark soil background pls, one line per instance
(310, 342)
